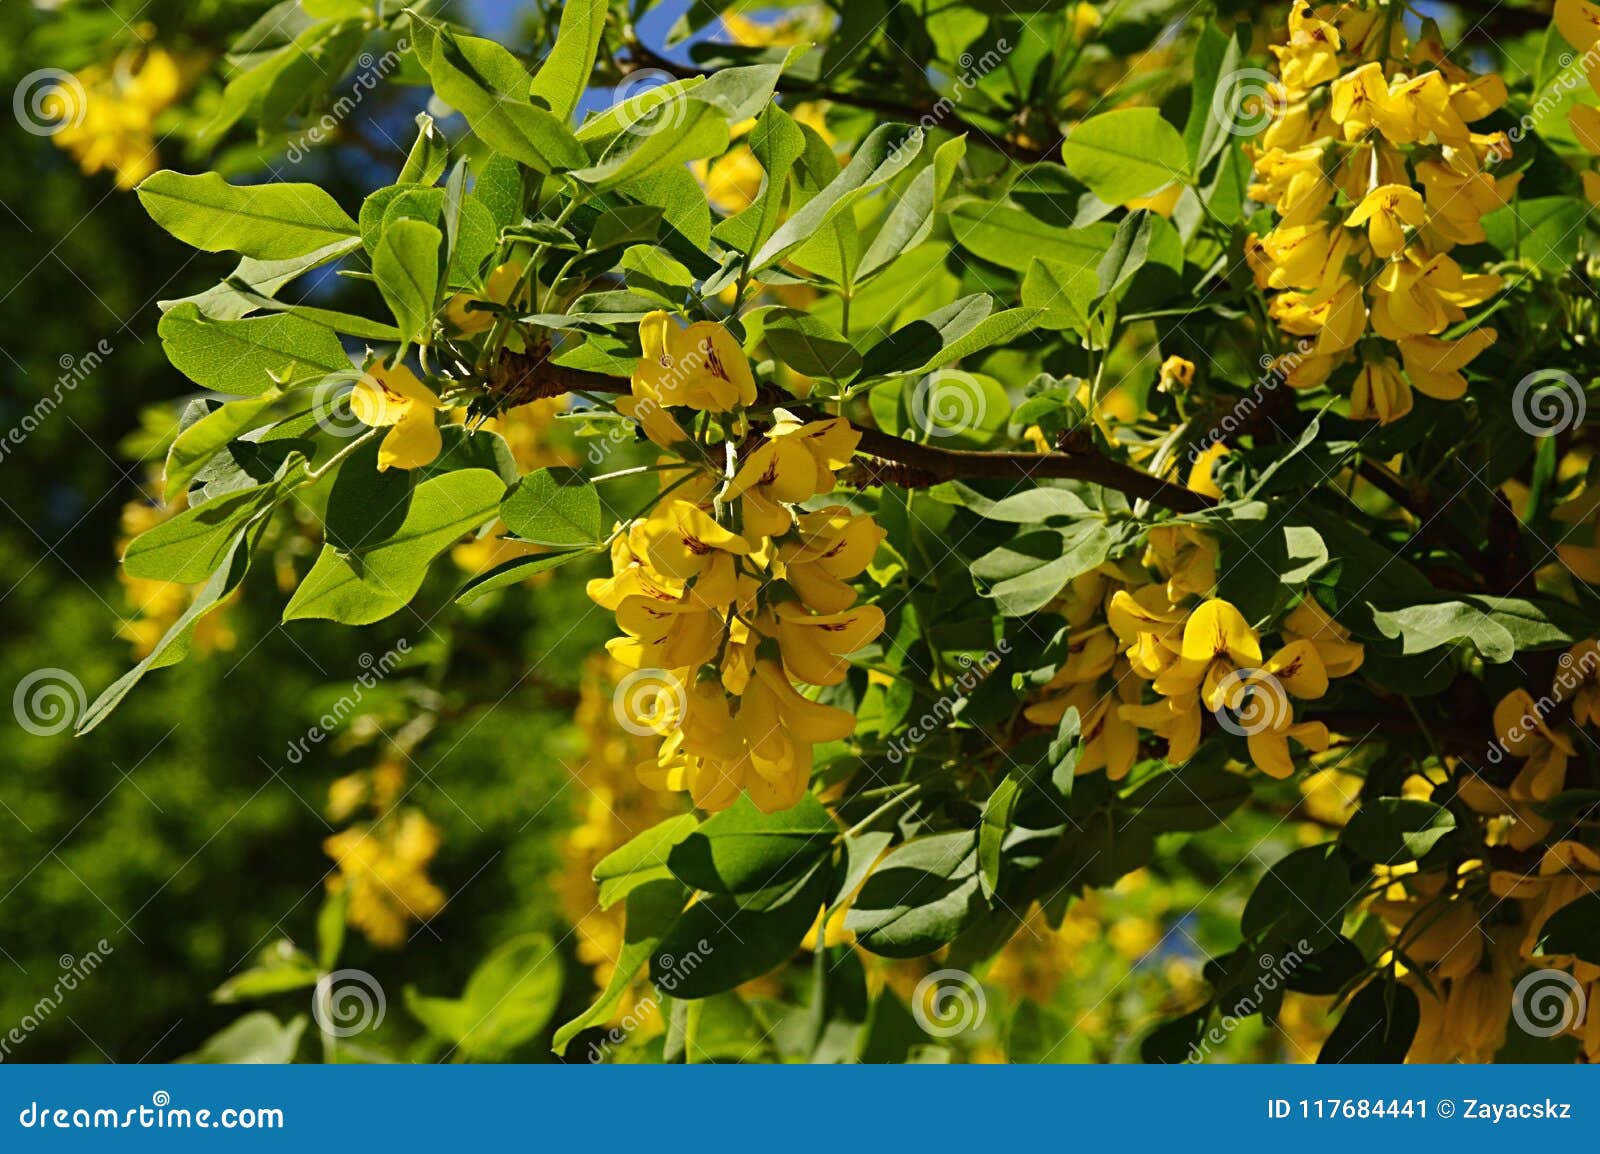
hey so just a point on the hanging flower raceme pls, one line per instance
(1375, 174)
(1153, 650)
(729, 593)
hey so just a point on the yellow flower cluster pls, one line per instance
(1470, 933)
(727, 594)
(1527, 731)
(107, 114)
(383, 864)
(1578, 21)
(1376, 174)
(1194, 653)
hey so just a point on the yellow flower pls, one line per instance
(700, 366)
(1176, 373)
(833, 546)
(1217, 641)
(1578, 21)
(815, 645)
(780, 726)
(1388, 211)
(683, 542)
(1308, 621)
(1520, 727)
(1380, 392)
(1204, 464)
(1435, 365)
(384, 869)
(107, 116)
(779, 472)
(1187, 556)
(392, 397)
(499, 286)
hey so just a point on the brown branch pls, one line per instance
(642, 57)
(930, 463)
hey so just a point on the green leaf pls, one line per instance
(1192, 798)
(515, 572)
(719, 943)
(1026, 574)
(741, 849)
(198, 443)
(1125, 154)
(426, 161)
(252, 356)
(1012, 238)
(1393, 830)
(1215, 95)
(920, 340)
(330, 928)
(777, 142)
(992, 330)
(998, 812)
(1377, 1026)
(919, 897)
(643, 858)
(1064, 293)
(888, 149)
(488, 85)
(256, 1039)
(406, 267)
(1303, 895)
(1497, 627)
(369, 585)
(173, 645)
(241, 291)
(282, 969)
(652, 909)
(910, 222)
(507, 1001)
(264, 221)
(189, 547)
(556, 506)
(1129, 250)
(809, 345)
(564, 75)
(678, 131)
(1545, 230)
(1573, 930)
